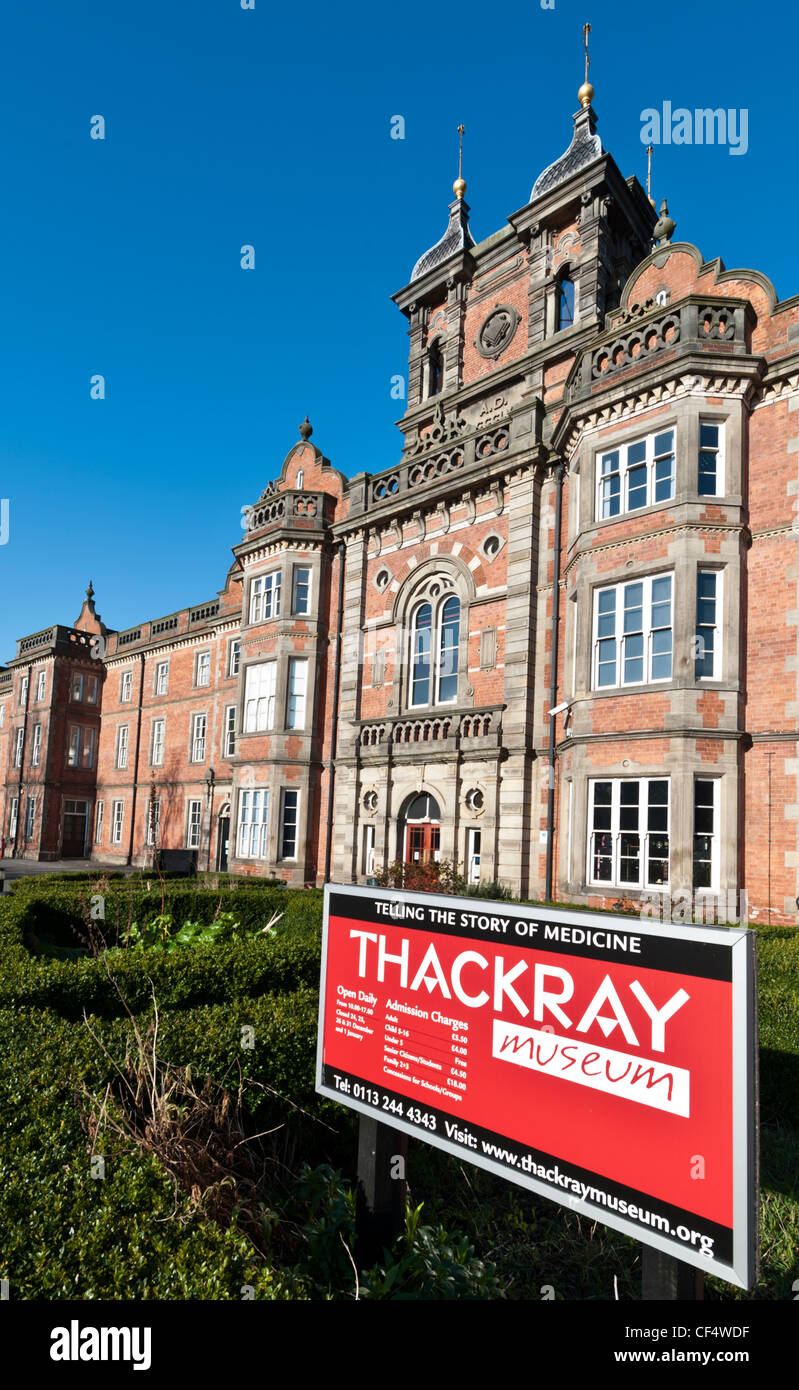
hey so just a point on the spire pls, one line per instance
(586, 145)
(88, 620)
(459, 186)
(457, 237)
(649, 152)
(586, 93)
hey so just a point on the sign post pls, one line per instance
(380, 1212)
(604, 1062)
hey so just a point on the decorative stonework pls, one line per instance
(496, 331)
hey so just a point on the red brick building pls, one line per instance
(557, 643)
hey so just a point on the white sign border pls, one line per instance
(743, 1269)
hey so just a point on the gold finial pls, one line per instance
(586, 92)
(459, 186)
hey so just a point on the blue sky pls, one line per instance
(272, 127)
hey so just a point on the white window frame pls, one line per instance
(161, 685)
(73, 746)
(284, 793)
(123, 744)
(30, 817)
(41, 683)
(199, 738)
(601, 512)
(437, 652)
(297, 693)
(80, 752)
(153, 830)
(715, 627)
(157, 744)
(23, 692)
(91, 690)
(253, 823)
(194, 822)
(474, 839)
(646, 631)
(36, 749)
(202, 667)
(616, 831)
(298, 583)
(234, 657)
(19, 737)
(13, 816)
(265, 597)
(117, 822)
(126, 687)
(259, 697)
(229, 735)
(2, 716)
(368, 853)
(715, 836)
(99, 811)
(719, 451)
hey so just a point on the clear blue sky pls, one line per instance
(271, 127)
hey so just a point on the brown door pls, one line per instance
(422, 843)
(73, 844)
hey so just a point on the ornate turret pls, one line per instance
(457, 237)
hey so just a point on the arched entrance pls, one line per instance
(421, 830)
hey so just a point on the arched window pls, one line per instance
(565, 301)
(435, 368)
(435, 641)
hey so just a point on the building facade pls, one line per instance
(556, 644)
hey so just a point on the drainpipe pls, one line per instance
(129, 859)
(334, 713)
(553, 681)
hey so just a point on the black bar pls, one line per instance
(664, 1277)
(381, 1197)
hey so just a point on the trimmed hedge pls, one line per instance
(69, 1235)
(248, 966)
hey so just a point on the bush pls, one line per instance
(250, 966)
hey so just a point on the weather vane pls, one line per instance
(461, 133)
(586, 32)
(649, 153)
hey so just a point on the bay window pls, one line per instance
(265, 597)
(628, 837)
(253, 819)
(633, 632)
(259, 697)
(635, 475)
(707, 665)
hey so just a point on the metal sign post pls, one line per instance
(382, 1157)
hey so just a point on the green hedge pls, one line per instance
(54, 910)
(128, 1235)
(249, 966)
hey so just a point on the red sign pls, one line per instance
(601, 1061)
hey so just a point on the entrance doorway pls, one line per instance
(422, 831)
(223, 838)
(73, 844)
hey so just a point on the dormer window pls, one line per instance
(565, 301)
(435, 368)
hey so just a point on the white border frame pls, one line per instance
(743, 1270)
